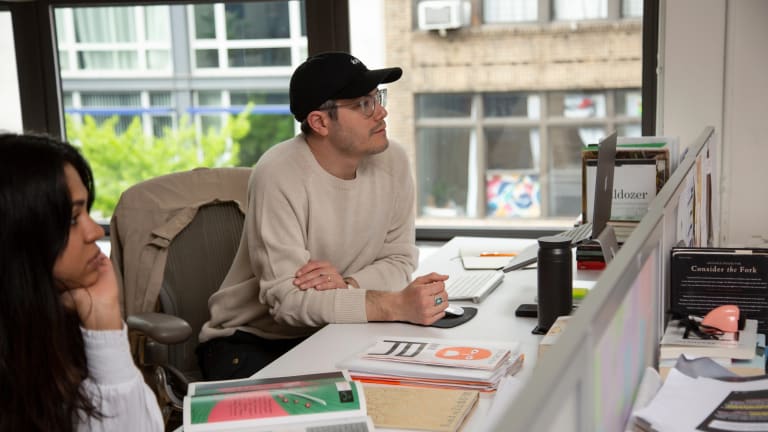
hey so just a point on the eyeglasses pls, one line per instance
(367, 103)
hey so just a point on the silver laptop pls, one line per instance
(608, 243)
(601, 213)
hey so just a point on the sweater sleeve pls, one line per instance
(277, 239)
(298, 212)
(116, 386)
(397, 258)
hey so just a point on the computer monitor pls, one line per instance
(587, 381)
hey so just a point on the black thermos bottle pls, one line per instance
(555, 281)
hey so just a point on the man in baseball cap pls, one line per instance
(329, 232)
(333, 75)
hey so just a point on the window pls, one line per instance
(501, 156)
(215, 94)
(532, 11)
(499, 11)
(10, 109)
(495, 113)
(116, 40)
(153, 111)
(580, 9)
(247, 35)
(632, 8)
(506, 101)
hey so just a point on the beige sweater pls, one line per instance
(296, 212)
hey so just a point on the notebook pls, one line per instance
(606, 162)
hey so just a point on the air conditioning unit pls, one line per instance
(443, 14)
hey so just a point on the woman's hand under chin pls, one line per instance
(97, 305)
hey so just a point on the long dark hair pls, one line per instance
(42, 356)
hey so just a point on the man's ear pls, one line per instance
(318, 121)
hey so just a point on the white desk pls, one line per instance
(495, 321)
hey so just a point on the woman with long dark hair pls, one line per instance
(65, 363)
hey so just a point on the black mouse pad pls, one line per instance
(453, 321)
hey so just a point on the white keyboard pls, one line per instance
(473, 285)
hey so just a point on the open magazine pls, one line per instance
(429, 362)
(279, 404)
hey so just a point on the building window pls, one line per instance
(116, 40)
(257, 21)
(573, 10)
(232, 36)
(507, 11)
(505, 156)
(632, 8)
(129, 99)
(152, 110)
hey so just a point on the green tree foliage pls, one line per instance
(266, 130)
(122, 160)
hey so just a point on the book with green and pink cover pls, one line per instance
(271, 402)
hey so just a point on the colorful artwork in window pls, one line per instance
(510, 195)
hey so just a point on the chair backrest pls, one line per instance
(198, 259)
(173, 240)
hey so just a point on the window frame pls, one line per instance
(327, 24)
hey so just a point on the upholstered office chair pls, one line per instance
(173, 240)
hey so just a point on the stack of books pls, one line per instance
(589, 256)
(743, 355)
(294, 403)
(439, 363)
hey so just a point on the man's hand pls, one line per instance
(320, 275)
(97, 305)
(417, 303)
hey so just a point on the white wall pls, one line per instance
(714, 71)
(366, 30)
(10, 107)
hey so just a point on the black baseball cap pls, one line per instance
(333, 75)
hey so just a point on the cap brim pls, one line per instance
(369, 81)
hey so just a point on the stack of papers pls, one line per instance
(688, 403)
(416, 408)
(435, 363)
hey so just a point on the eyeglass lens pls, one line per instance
(368, 103)
(381, 97)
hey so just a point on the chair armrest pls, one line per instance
(163, 328)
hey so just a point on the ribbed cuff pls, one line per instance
(350, 306)
(109, 356)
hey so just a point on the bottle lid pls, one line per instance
(554, 241)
